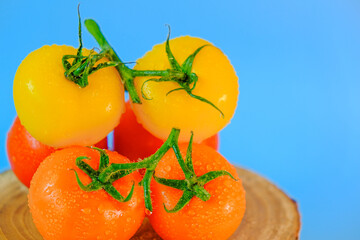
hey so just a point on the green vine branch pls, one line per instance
(148, 163)
(191, 186)
(124, 71)
(180, 74)
(81, 67)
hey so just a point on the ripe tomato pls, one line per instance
(58, 112)
(61, 210)
(133, 141)
(26, 153)
(217, 82)
(216, 218)
(102, 144)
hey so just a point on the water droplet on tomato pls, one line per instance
(86, 210)
(228, 183)
(191, 213)
(148, 212)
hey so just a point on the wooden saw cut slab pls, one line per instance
(270, 213)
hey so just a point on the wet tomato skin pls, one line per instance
(217, 82)
(217, 218)
(61, 210)
(60, 113)
(25, 153)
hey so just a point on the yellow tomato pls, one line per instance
(217, 82)
(56, 111)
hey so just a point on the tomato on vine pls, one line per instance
(67, 202)
(79, 107)
(181, 214)
(134, 142)
(191, 184)
(184, 83)
(25, 153)
(203, 100)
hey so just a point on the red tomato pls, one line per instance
(62, 211)
(26, 153)
(134, 142)
(216, 218)
(102, 144)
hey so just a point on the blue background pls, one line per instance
(298, 62)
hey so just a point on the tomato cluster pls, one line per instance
(67, 99)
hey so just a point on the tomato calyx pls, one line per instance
(96, 184)
(182, 75)
(192, 185)
(81, 67)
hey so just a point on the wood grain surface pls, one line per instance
(270, 213)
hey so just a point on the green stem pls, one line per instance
(188, 174)
(112, 172)
(147, 192)
(179, 74)
(149, 163)
(169, 143)
(159, 73)
(154, 73)
(124, 71)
